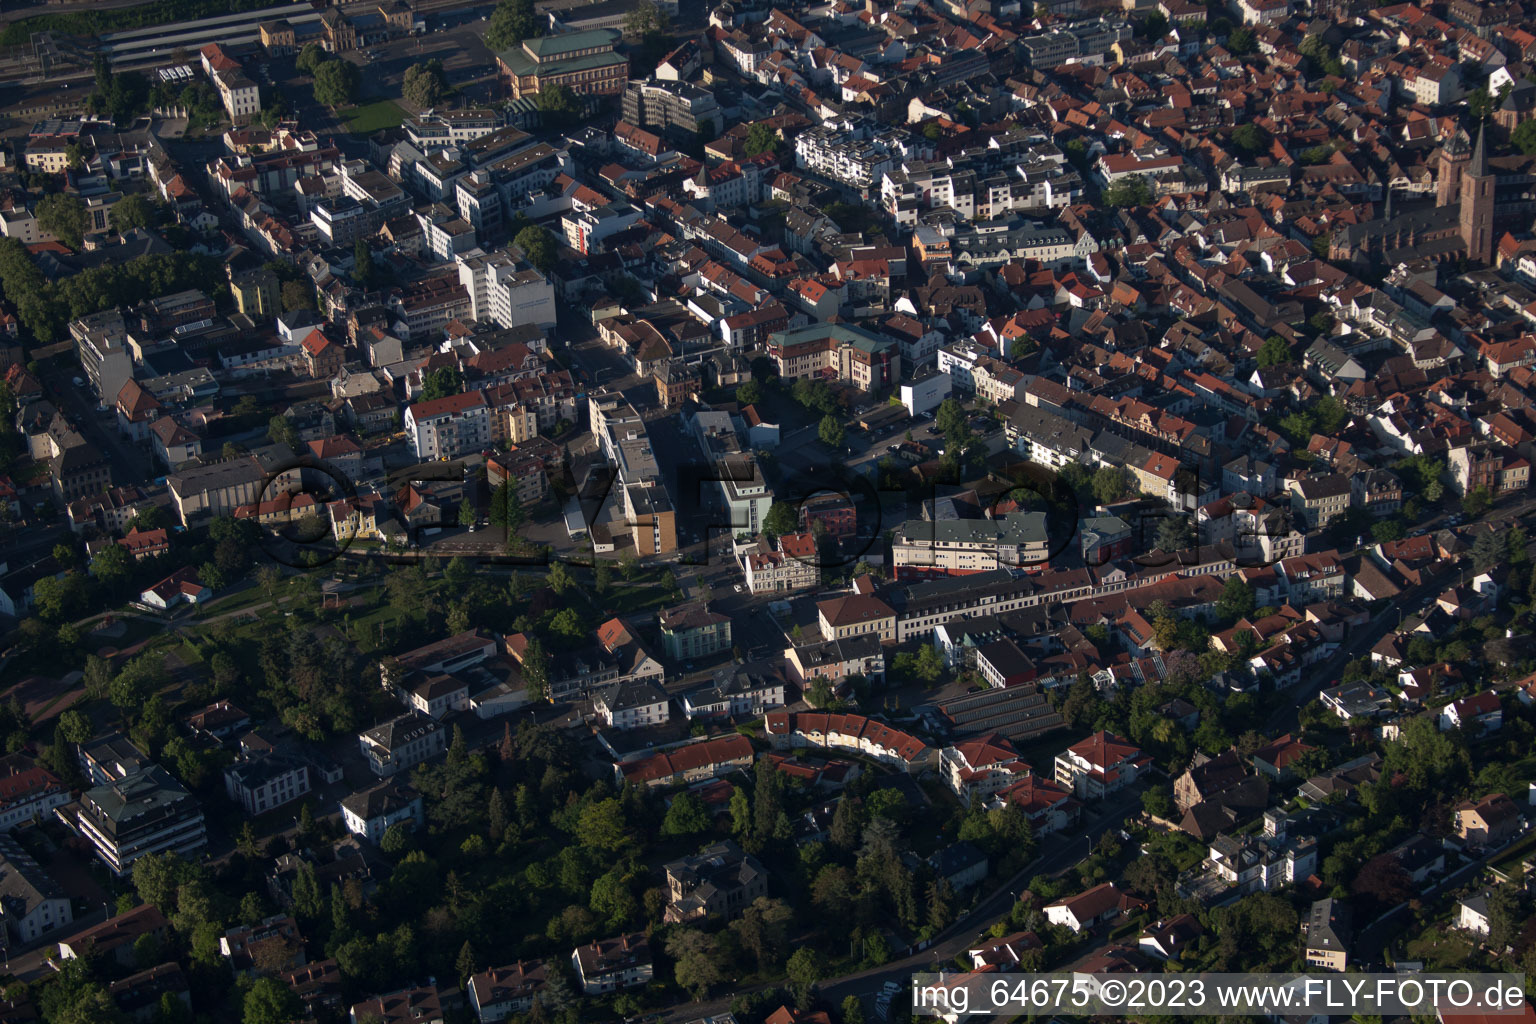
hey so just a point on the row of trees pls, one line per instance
(45, 307)
(335, 79)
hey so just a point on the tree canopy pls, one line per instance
(511, 22)
(336, 83)
(425, 84)
(539, 247)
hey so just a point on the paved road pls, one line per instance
(129, 462)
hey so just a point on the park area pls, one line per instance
(373, 117)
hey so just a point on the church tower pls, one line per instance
(1477, 203)
(1453, 158)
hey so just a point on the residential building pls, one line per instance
(976, 769)
(608, 965)
(785, 563)
(720, 880)
(31, 902)
(1487, 822)
(145, 812)
(27, 791)
(689, 764)
(1099, 765)
(1328, 935)
(736, 691)
(260, 783)
(449, 427)
(406, 1006)
(370, 812)
(852, 734)
(501, 992)
(1478, 714)
(1258, 864)
(274, 942)
(114, 939)
(633, 704)
(922, 548)
(850, 354)
(1092, 907)
(677, 109)
(691, 631)
(856, 615)
(402, 743)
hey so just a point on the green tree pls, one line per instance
(75, 726)
(1236, 599)
(1173, 533)
(600, 827)
(560, 106)
(831, 432)
(686, 817)
(1241, 42)
(1524, 136)
(511, 22)
(1131, 190)
(761, 138)
(1111, 484)
(158, 877)
(695, 961)
(782, 518)
(131, 212)
(645, 19)
(466, 513)
(1250, 138)
(112, 565)
(1275, 351)
(64, 217)
(539, 247)
(363, 269)
(536, 670)
(741, 812)
(280, 430)
(951, 421)
(269, 1001)
(763, 929)
(465, 963)
(297, 295)
(568, 626)
(425, 84)
(442, 382)
(396, 839)
(612, 899)
(1488, 551)
(311, 57)
(1477, 502)
(804, 970)
(853, 1010)
(336, 83)
(57, 598)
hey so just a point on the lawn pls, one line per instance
(366, 120)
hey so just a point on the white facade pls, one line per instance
(371, 812)
(264, 783)
(926, 394)
(448, 427)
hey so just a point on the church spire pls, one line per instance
(1479, 164)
